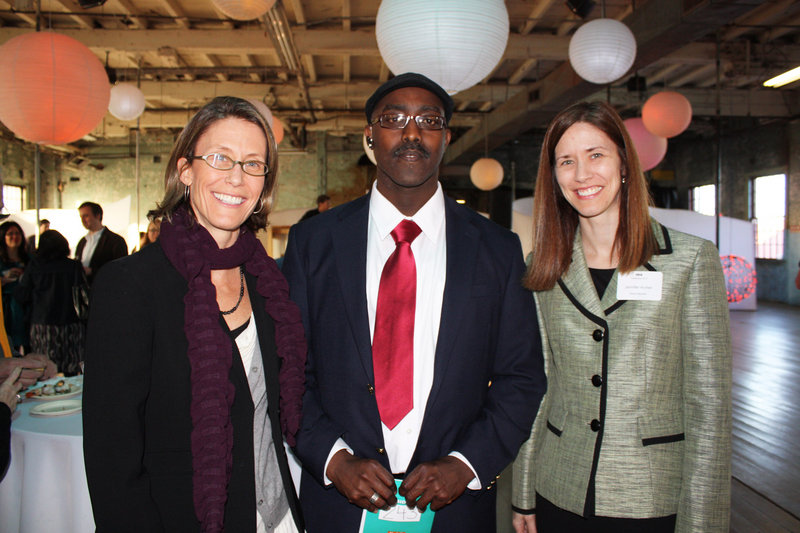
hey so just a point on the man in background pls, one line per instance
(100, 245)
(323, 203)
(30, 246)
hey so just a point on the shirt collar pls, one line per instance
(386, 216)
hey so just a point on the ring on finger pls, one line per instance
(374, 498)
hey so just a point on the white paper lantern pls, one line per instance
(456, 43)
(367, 150)
(243, 9)
(486, 173)
(127, 101)
(263, 109)
(602, 50)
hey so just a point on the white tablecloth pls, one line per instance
(45, 487)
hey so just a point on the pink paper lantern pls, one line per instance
(667, 114)
(277, 129)
(650, 148)
(53, 89)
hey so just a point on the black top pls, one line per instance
(601, 278)
(5, 438)
(48, 289)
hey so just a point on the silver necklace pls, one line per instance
(241, 292)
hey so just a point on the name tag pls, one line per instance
(640, 285)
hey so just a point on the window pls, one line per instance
(703, 199)
(768, 208)
(14, 198)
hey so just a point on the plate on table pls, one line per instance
(59, 408)
(55, 389)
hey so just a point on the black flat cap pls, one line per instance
(410, 79)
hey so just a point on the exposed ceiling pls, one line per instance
(315, 62)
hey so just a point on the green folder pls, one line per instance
(398, 519)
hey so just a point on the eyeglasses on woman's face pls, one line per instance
(254, 167)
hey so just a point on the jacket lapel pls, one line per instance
(463, 242)
(578, 284)
(349, 236)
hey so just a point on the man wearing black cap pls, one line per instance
(424, 360)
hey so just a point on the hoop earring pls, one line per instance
(260, 205)
(186, 194)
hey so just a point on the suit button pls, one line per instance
(597, 335)
(370, 388)
(597, 380)
(381, 451)
(595, 425)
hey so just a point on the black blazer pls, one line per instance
(488, 371)
(110, 246)
(136, 414)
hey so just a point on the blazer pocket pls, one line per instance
(657, 430)
(556, 419)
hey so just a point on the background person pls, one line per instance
(634, 433)
(46, 289)
(30, 245)
(466, 322)
(13, 260)
(195, 354)
(100, 245)
(323, 204)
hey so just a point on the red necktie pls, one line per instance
(393, 340)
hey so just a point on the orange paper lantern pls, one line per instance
(667, 114)
(277, 129)
(53, 89)
(486, 173)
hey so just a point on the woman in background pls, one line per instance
(634, 431)
(195, 355)
(47, 289)
(13, 260)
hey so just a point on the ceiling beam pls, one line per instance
(659, 27)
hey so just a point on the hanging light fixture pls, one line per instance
(650, 148)
(127, 101)
(486, 173)
(667, 114)
(243, 9)
(602, 51)
(456, 43)
(53, 90)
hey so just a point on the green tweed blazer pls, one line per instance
(638, 394)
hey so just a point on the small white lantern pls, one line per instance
(602, 51)
(456, 43)
(243, 9)
(486, 173)
(127, 101)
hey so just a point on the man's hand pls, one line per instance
(359, 479)
(436, 483)
(9, 389)
(523, 523)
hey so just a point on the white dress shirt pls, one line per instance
(91, 243)
(430, 257)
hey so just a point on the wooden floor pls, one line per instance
(766, 423)
(766, 412)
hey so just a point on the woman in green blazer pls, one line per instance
(634, 431)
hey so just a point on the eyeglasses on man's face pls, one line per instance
(254, 167)
(398, 121)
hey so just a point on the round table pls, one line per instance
(45, 486)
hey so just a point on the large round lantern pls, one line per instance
(127, 101)
(602, 50)
(650, 148)
(456, 43)
(667, 114)
(243, 9)
(486, 173)
(277, 129)
(53, 90)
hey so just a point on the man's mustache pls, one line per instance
(411, 147)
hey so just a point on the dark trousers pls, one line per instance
(550, 518)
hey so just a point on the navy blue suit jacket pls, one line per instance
(488, 370)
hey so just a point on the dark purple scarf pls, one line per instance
(194, 253)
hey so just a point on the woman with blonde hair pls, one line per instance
(195, 355)
(634, 431)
